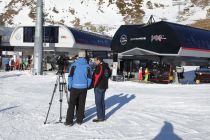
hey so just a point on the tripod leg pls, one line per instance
(61, 96)
(56, 84)
(66, 89)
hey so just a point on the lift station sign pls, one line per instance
(123, 39)
(158, 38)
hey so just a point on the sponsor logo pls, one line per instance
(123, 39)
(18, 36)
(138, 38)
(157, 38)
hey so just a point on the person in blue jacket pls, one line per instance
(6, 63)
(79, 80)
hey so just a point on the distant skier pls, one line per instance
(140, 74)
(146, 75)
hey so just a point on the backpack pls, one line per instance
(106, 72)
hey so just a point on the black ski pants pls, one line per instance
(77, 99)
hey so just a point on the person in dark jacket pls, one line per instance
(101, 76)
(79, 80)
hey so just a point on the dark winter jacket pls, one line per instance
(80, 75)
(101, 76)
(6, 61)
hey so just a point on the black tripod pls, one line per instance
(61, 81)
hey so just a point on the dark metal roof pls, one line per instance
(191, 37)
(85, 37)
(161, 38)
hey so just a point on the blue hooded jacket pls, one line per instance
(80, 74)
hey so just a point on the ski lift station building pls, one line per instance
(162, 41)
(61, 39)
(5, 33)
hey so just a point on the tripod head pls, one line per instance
(61, 61)
(60, 71)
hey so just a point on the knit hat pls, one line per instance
(82, 54)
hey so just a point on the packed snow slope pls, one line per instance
(134, 111)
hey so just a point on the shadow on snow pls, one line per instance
(167, 133)
(116, 100)
(13, 75)
(8, 108)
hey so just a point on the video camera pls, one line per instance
(61, 61)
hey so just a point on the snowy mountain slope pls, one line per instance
(103, 15)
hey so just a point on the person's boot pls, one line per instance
(98, 120)
(68, 124)
(79, 122)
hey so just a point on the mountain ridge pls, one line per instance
(102, 16)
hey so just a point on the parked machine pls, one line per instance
(202, 75)
(162, 73)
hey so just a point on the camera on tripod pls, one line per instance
(62, 62)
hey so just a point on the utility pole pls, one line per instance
(38, 42)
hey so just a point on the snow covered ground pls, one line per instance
(134, 111)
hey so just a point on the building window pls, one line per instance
(50, 34)
(28, 34)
